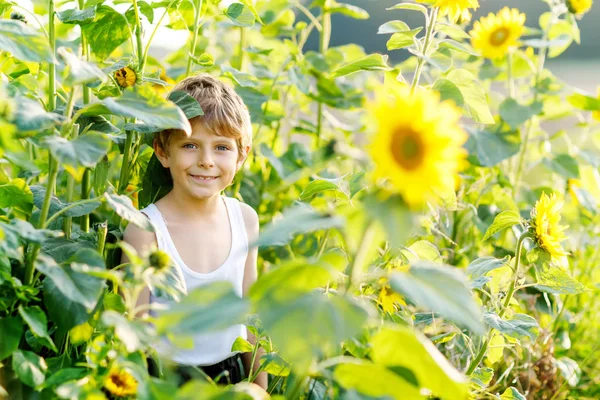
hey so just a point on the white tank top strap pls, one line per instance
(156, 220)
(237, 223)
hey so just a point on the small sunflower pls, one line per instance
(159, 260)
(418, 144)
(388, 299)
(456, 10)
(126, 77)
(160, 89)
(120, 383)
(579, 7)
(495, 34)
(545, 223)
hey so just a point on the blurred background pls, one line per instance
(579, 65)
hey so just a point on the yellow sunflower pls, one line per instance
(455, 9)
(120, 383)
(579, 7)
(388, 299)
(495, 34)
(125, 77)
(418, 143)
(545, 221)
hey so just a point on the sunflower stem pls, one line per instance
(324, 38)
(138, 35)
(429, 34)
(510, 80)
(361, 253)
(84, 221)
(524, 145)
(192, 52)
(511, 291)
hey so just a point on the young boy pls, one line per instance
(206, 234)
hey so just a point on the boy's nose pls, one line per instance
(205, 161)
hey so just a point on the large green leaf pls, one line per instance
(78, 71)
(79, 288)
(240, 15)
(563, 164)
(187, 103)
(584, 102)
(332, 320)
(241, 78)
(520, 325)
(37, 322)
(349, 10)
(11, 329)
(402, 347)
(76, 16)
(492, 145)
(62, 249)
(29, 367)
(24, 42)
(504, 220)
(108, 30)
(205, 309)
(393, 27)
(409, 6)
(62, 311)
(82, 152)
(39, 192)
(144, 104)
(124, 208)
(400, 40)
(553, 279)
(28, 232)
(375, 381)
(30, 115)
(292, 279)
(483, 265)
(372, 62)
(16, 194)
(473, 94)
(515, 114)
(298, 219)
(442, 289)
(512, 394)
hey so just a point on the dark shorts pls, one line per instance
(228, 371)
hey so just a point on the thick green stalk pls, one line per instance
(324, 38)
(241, 46)
(52, 163)
(429, 33)
(68, 221)
(138, 35)
(511, 291)
(102, 231)
(192, 52)
(124, 176)
(510, 79)
(84, 221)
(147, 48)
(52, 174)
(361, 253)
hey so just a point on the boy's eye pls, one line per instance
(221, 147)
(189, 146)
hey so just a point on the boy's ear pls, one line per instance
(161, 154)
(243, 158)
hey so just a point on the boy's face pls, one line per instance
(203, 164)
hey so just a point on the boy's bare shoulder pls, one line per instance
(250, 218)
(138, 237)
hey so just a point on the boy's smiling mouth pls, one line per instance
(203, 177)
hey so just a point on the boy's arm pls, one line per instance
(250, 276)
(141, 241)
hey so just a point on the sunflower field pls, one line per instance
(425, 233)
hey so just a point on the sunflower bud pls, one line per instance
(159, 259)
(18, 17)
(126, 77)
(579, 7)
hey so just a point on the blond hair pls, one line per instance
(225, 113)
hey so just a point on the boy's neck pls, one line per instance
(190, 208)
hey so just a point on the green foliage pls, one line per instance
(358, 295)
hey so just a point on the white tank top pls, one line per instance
(213, 347)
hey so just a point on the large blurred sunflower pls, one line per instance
(120, 383)
(455, 9)
(418, 143)
(495, 34)
(579, 7)
(546, 228)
